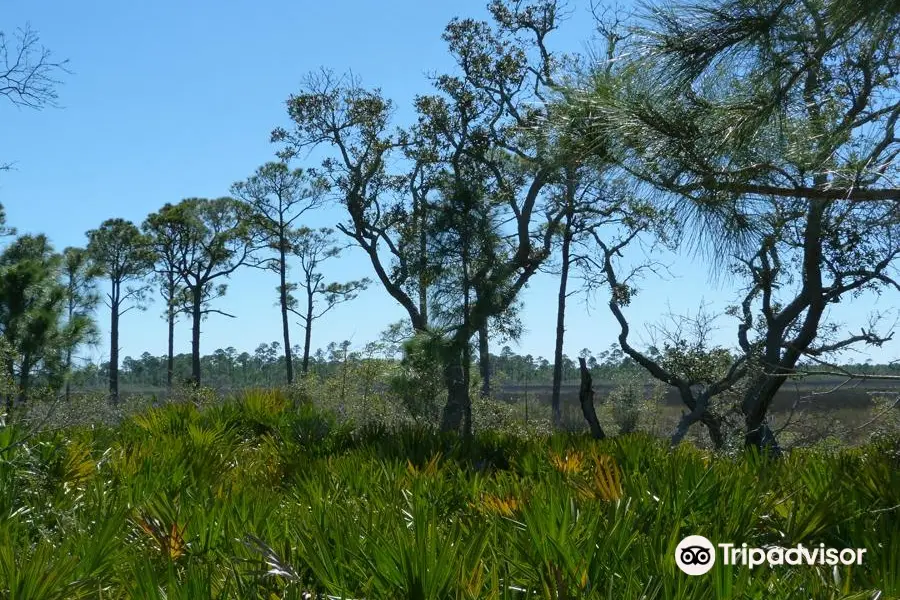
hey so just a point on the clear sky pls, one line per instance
(173, 99)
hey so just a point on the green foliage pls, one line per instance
(79, 276)
(35, 330)
(418, 383)
(121, 253)
(626, 400)
(259, 498)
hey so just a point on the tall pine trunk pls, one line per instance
(561, 308)
(114, 349)
(423, 260)
(70, 314)
(307, 337)
(68, 374)
(11, 372)
(560, 327)
(25, 379)
(288, 359)
(170, 317)
(196, 309)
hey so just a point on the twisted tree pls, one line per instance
(475, 142)
(775, 123)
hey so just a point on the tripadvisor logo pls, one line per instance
(696, 555)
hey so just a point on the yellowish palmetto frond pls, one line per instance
(169, 539)
(571, 464)
(496, 505)
(429, 469)
(78, 466)
(607, 478)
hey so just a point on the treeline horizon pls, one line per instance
(265, 366)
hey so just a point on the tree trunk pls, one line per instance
(484, 361)
(561, 299)
(25, 379)
(196, 307)
(699, 412)
(11, 372)
(307, 338)
(288, 359)
(461, 351)
(781, 358)
(467, 384)
(68, 373)
(760, 436)
(71, 312)
(423, 261)
(457, 411)
(344, 376)
(170, 317)
(170, 356)
(560, 327)
(586, 397)
(714, 428)
(755, 406)
(114, 350)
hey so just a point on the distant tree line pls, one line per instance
(232, 369)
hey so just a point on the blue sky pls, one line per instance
(170, 100)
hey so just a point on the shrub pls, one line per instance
(417, 383)
(182, 501)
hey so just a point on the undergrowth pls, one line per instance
(266, 496)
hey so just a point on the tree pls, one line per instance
(748, 112)
(463, 243)
(165, 238)
(588, 202)
(80, 275)
(32, 305)
(503, 327)
(313, 247)
(279, 196)
(465, 248)
(214, 239)
(697, 387)
(842, 249)
(569, 230)
(28, 71)
(483, 119)
(122, 254)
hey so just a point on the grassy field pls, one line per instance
(264, 497)
(814, 393)
(811, 411)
